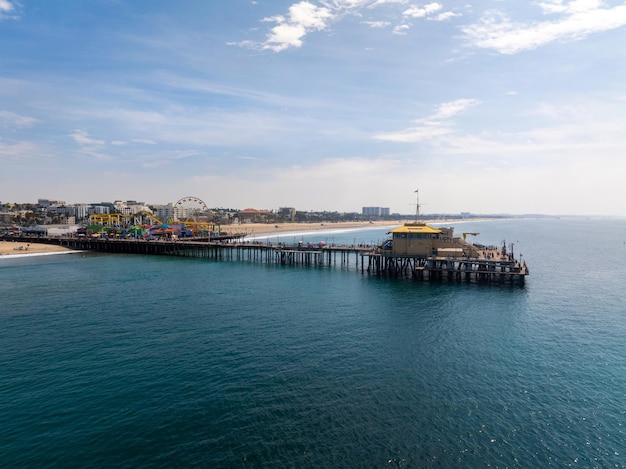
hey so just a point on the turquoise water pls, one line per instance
(119, 360)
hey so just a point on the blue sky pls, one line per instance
(487, 107)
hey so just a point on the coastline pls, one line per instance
(276, 229)
(251, 229)
(11, 249)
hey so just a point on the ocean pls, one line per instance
(145, 361)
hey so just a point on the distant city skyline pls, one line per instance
(493, 107)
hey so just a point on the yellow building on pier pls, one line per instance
(422, 240)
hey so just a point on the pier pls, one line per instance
(490, 265)
(482, 269)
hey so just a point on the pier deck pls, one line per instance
(491, 266)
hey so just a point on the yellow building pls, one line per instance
(421, 240)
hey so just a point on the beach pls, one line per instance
(10, 248)
(277, 228)
(273, 228)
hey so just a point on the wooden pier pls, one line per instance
(490, 267)
(483, 269)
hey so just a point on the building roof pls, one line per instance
(416, 228)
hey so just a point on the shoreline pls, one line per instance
(251, 230)
(279, 228)
(266, 230)
(285, 228)
(14, 249)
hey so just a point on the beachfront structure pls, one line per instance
(421, 241)
(249, 215)
(287, 213)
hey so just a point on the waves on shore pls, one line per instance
(35, 254)
(313, 235)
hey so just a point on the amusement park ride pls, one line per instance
(188, 211)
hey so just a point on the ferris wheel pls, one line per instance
(190, 209)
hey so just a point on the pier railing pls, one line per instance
(489, 268)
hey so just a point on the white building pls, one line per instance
(98, 210)
(376, 211)
(165, 212)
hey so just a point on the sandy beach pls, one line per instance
(10, 248)
(272, 228)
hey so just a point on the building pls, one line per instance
(376, 211)
(252, 215)
(130, 207)
(7, 217)
(421, 240)
(287, 213)
(45, 203)
(165, 212)
(97, 209)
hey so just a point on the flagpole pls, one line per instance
(417, 206)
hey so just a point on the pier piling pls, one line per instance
(490, 269)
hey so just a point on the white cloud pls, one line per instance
(446, 15)
(452, 108)
(377, 24)
(284, 36)
(433, 126)
(388, 2)
(401, 29)
(414, 134)
(573, 6)
(12, 119)
(6, 6)
(303, 18)
(578, 19)
(306, 17)
(82, 137)
(7, 9)
(422, 12)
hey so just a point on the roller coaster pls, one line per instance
(186, 213)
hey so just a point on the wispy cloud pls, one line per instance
(143, 141)
(9, 118)
(82, 137)
(436, 125)
(576, 19)
(17, 151)
(377, 24)
(169, 157)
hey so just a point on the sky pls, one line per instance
(491, 106)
